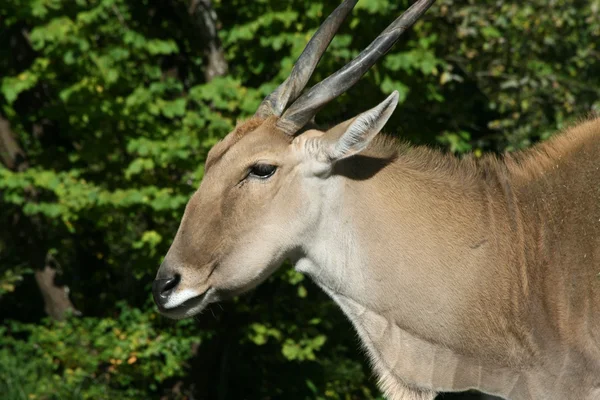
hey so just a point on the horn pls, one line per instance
(307, 105)
(290, 89)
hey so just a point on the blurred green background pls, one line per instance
(107, 111)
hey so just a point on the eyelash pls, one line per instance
(261, 171)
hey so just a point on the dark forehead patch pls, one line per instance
(219, 149)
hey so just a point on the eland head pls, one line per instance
(262, 191)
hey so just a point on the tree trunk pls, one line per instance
(11, 154)
(205, 19)
(56, 297)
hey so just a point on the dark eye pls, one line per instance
(262, 171)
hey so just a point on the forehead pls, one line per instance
(247, 139)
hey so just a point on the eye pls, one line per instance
(262, 171)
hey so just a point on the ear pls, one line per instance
(353, 136)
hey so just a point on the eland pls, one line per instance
(472, 273)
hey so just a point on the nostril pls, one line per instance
(170, 284)
(162, 287)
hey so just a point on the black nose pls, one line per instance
(163, 287)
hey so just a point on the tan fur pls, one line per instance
(457, 273)
(242, 128)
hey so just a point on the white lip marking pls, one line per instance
(195, 306)
(178, 298)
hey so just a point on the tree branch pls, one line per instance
(205, 18)
(11, 154)
(56, 297)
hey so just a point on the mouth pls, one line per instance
(188, 308)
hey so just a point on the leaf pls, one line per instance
(13, 86)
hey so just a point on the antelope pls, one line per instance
(457, 273)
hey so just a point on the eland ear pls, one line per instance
(353, 136)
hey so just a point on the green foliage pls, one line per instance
(10, 278)
(92, 358)
(110, 105)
